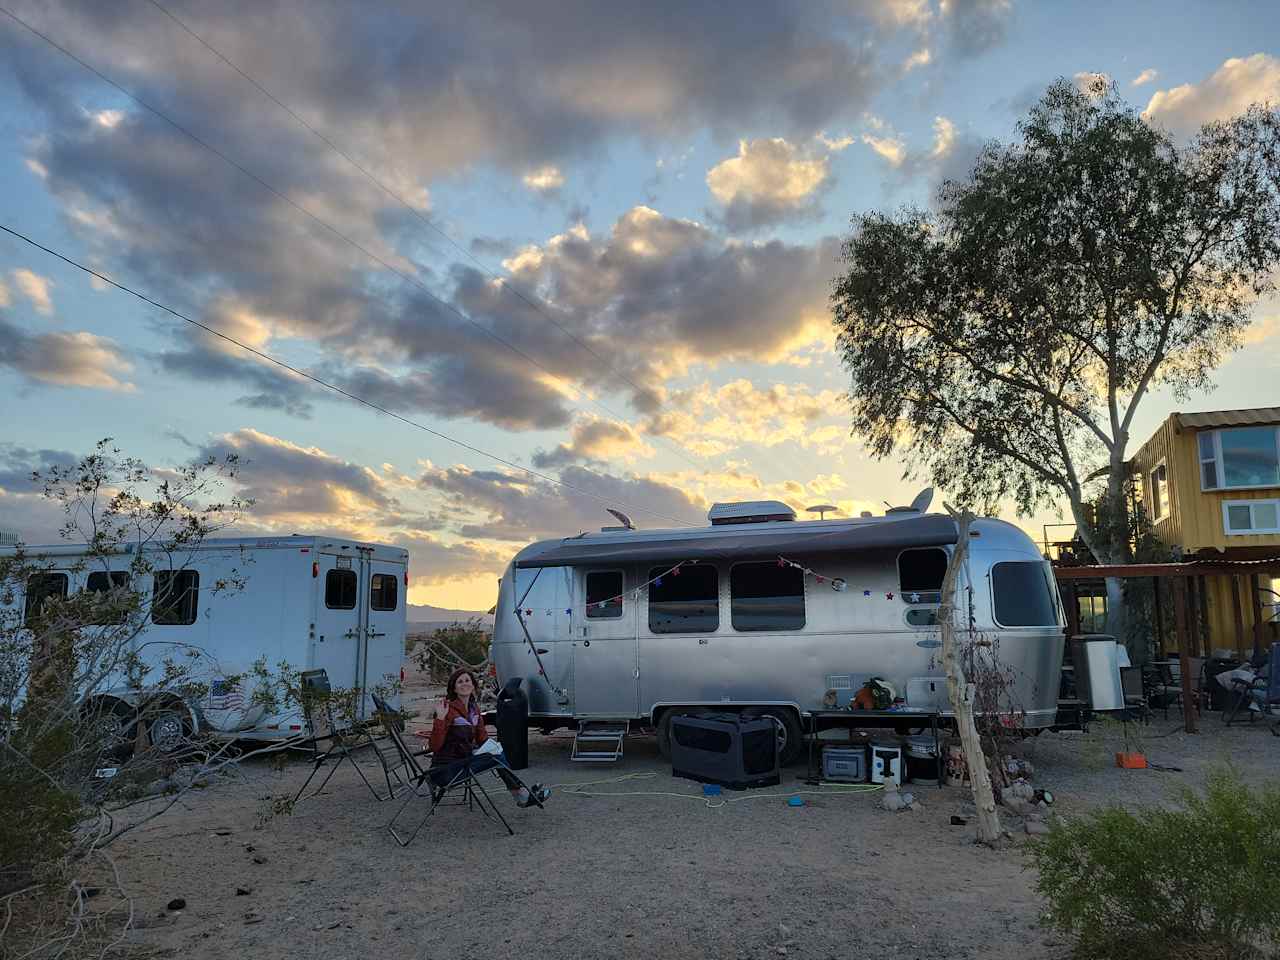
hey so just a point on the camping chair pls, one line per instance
(344, 742)
(1170, 687)
(1243, 693)
(460, 779)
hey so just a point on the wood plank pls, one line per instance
(1237, 614)
(1184, 657)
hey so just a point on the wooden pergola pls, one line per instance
(1185, 606)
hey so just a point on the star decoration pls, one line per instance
(889, 596)
(915, 598)
(866, 593)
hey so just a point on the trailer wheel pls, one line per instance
(168, 730)
(790, 736)
(114, 725)
(663, 730)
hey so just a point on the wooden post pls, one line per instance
(960, 691)
(1180, 601)
(1073, 611)
(1257, 615)
(1159, 614)
(1202, 618)
(1237, 613)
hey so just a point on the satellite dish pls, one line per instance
(922, 500)
(822, 509)
(622, 518)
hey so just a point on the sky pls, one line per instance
(593, 241)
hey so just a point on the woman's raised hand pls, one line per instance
(440, 710)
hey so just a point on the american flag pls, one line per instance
(225, 695)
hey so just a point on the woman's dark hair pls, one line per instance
(451, 691)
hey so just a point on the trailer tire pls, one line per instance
(114, 724)
(168, 730)
(790, 735)
(663, 730)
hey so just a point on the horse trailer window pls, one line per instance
(42, 587)
(382, 591)
(103, 582)
(684, 602)
(604, 595)
(340, 589)
(764, 596)
(175, 597)
(920, 574)
(1022, 595)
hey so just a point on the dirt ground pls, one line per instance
(641, 867)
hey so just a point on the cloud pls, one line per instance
(1227, 92)
(65, 359)
(6, 299)
(545, 180)
(36, 289)
(514, 507)
(1146, 76)
(596, 441)
(949, 156)
(834, 144)
(770, 181)
(920, 58)
(975, 26)
(717, 420)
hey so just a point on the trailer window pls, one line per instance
(175, 597)
(920, 574)
(687, 602)
(340, 589)
(1022, 595)
(604, 595)
(42, 587)
(382, 591)
(108, 609)
(764, 596)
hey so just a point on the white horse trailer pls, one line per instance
(761, 613)
(311, 602)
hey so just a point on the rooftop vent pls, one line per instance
(751, 511)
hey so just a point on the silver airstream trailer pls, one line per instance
(761, 612)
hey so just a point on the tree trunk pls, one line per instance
(962, 693)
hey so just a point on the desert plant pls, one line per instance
(1197, 877)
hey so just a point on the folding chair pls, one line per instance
(344, 741)
(1242, 693)
(460, 778)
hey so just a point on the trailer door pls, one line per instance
(384, 646)
(340, 609)
(605, 672)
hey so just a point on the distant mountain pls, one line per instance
(426, 617)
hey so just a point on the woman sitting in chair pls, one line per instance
(457, 729)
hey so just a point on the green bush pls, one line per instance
(1158, 881)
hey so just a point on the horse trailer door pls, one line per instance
(339, 610)
(384, 649)
(605, 672)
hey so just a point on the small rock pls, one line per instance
(252, 918)
(177, 903)
(1036, 828)
(782, 951)
(243, 891)
(222, 833)
(958, 821)
(259, 858)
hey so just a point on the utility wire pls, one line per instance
(372, 178)
(318, 220)
(321, 382)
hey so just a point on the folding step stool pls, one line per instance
(599, 741)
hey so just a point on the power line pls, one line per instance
(372, 178)
(320, 221)
(321, 382)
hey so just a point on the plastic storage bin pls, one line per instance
(844, 764)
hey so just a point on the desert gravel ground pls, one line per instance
(645, 868)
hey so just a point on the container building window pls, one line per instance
(1159, 492)
(604, 595)
(383, 591)
(1251, 516)
(103, 582)
(175, 597)
(1022, 594)
(42, 587)
(765, 596)
(340, 589)
(684, 602)
(920, 575)
(1240, 457)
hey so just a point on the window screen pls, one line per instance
(42, 587)
(920, 575)
(111, 611)
(765, 596)
(1022, 595)
(340, 589)
(687, 602)
(175, 597)
(382, 590)
(604, 595)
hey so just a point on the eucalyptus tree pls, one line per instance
(1003, 342)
